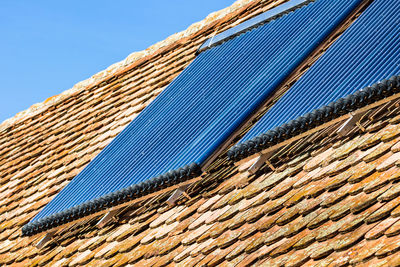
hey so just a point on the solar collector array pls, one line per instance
(196, 113)
(366, 53)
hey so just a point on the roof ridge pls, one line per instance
(122, 65)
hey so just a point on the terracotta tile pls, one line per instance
(377, 125)
(395, 212)
(206, 205)
(396, 148)
(378, 151)
(182, 226)
(210, 248)
(334, 259)
(394, 229)
(320, 250)
(298, 258)
(189, 261)
(197, 249)
(224, 200)
(249, 259)
(343, 207)
(335, 196)
(195, 234)
(227, 239)
(393, 260)
(274, 235)
(185, 253)
(363, 200)
(346, 149)
(162, 218)
(200, 220)
(389, 162)
(239, 249)
(354, 158)
(212, 259)
(129, 243)
(373, 179)
(390, 245)
(267, 181)
(81, 259)
(287, 244)
(299, 159)
(285, 186)
(249, 191)
(364, 250)
(237, 221)
(329, 230)
(317, 160)
(138, 253)
(214, 231)
(391, 193)
(375, 262)
(257, 212)
(359, 218)
(375, 184)
(380, 228)
(263, 198)
(266, 251)
(178, 211)
(113, 235)
(105, 249)
(393, 174)
(228, 185)
(261, 225)
(306, 177)
(150, 237)
(322, 216)
(214, 215)
(232, 211)
(299, 223)
(188, 211)
(245, 204)
(346, 240)
(390, 132)
(165, 230)
(360, 171)
(384, 211)
(49, 256)
(61, 262)
(121, 100)
(277, 261)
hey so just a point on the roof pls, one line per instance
(338, 201)
(329, 200)
(200, 110)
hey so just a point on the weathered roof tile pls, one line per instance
(336, 203)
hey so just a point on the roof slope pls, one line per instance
(335, 202)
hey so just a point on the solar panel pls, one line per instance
(175, 135)
(367, 52)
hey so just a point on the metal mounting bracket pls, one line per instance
(47, 238)
(350, 123)
(177, 193)
(263, 158)
(109, 216)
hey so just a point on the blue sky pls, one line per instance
(48, 46)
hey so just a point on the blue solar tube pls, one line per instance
(367, 52)
(271, 14)
(182, 128)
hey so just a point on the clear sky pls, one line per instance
(48, 46)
